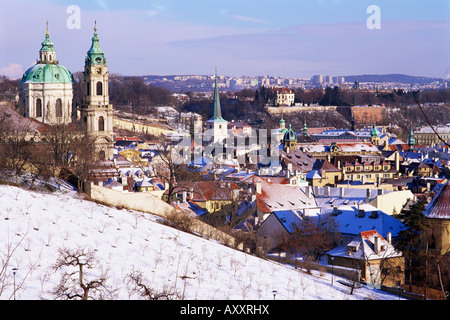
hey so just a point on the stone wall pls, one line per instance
(146, 202)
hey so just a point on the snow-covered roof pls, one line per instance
(289, 219)
(330, 196)
(276, 196)
(439, 207)
(352, 219)
(367, 245)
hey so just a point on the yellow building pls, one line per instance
(368, 171)
(427, 136)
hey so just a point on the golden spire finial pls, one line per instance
(95, 27)
(46, 27)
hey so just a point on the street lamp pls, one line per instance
(332, 271)
(14, 273)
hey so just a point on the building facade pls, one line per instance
(284, 97)
(427, 136)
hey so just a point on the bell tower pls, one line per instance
(96, 111)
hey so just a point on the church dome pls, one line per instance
(47, 73)
(47, 69)
(374, 133)
(290, 135)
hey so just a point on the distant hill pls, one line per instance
(402, 78)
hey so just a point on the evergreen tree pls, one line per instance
(414, 221)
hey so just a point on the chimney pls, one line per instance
(397, 161)
(389, 237)
(326, 192)
(258, 187)
(386, 145)
(289, 166)
(184, 196)
(376, 244)
(367, 195)
(308, 191)
(341, 192)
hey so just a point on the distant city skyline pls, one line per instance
(286, 38)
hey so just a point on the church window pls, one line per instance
(59, 112)
(99, 88)
(88, 88)
(102, 155)
(38, 108)
(101, 124)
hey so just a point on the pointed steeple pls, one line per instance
(95, 54)
(217, 112)
(305, 128)
(411, 139)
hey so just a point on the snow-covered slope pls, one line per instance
(34, 226)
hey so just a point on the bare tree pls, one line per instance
(138, 284)
(16, 141)
(74, 283)
(312, 238)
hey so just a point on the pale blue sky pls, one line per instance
(247, 37)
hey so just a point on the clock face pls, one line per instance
(99, 70)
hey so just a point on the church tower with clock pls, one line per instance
(96, 111)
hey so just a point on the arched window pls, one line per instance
(88, 88)
(99, 88)
(102, 155)
(101, 124)
(38, 108)
(59, 112)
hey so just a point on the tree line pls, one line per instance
(26, 156)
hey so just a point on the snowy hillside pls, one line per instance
(34, 226)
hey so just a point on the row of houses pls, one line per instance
(360, 185)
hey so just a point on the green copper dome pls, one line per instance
(290, 135)
(47, 69)
(374, 133)
(47, 44)
(48, 73)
